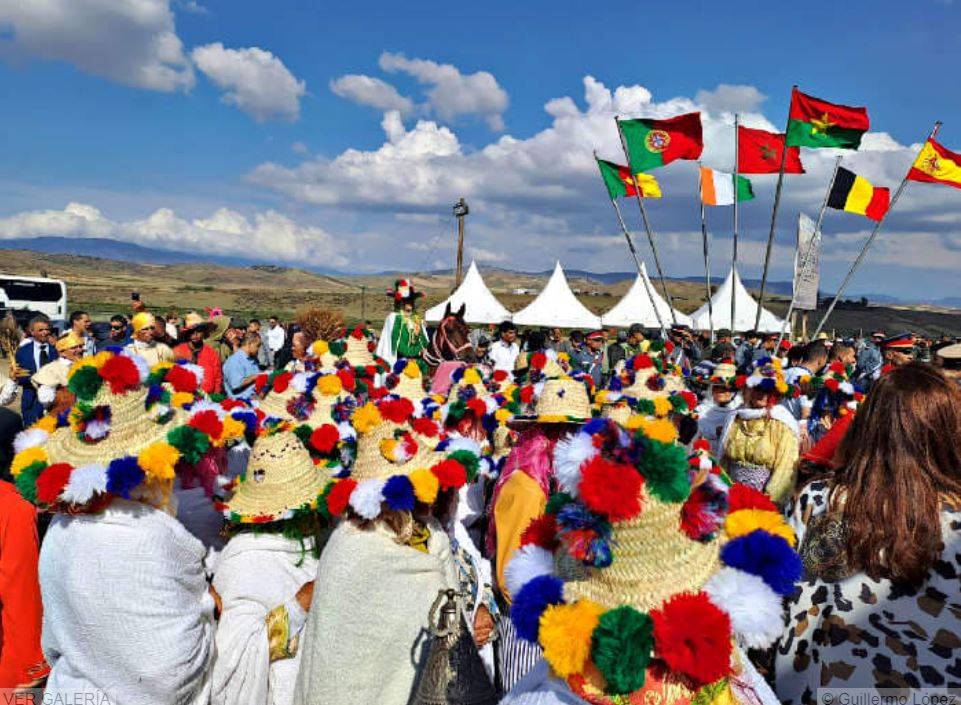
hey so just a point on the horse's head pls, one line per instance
(452, 339)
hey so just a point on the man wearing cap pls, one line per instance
(722, 339)
(898, 350)
(948, 359)
(53, 376)
(590, 357)
(143, 343)
(686, 351)
(195, 350)
(230, 341)
(634, 345)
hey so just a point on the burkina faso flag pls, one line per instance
(813, 122)
(653, 143)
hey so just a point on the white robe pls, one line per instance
(712, 420)
(126, 610)
(255, 574)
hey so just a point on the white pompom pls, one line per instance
(346, 431)
(569, 455)
(527, 563)
(299, 382)
(97, 430)
(197, 370)
(46, 394)
(366, 498)
(756, 611)
(143, 369)
(207, 405)
(84, 483)
(28, 439)
(467, 444)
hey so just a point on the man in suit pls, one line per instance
(33, 354)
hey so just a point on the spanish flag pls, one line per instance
(855, 194)
(936, 165)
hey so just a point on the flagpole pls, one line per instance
(734, 251)
(707, 256)
(874, 234)
(777, 202)
(805, 258)
(647, 227)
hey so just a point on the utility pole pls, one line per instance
(460, 212)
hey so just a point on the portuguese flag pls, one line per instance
(816, 123)
(654, 143)
(936, 165)
(856, 194)
(620, 183)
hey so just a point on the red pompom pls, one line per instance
(231, 404)
(52, 481)
(282, 381)
(397, 410)
(180, 378)
(121, 374)
(693, 637)
(325, 438)
(500, 375)
(527, 394)
(357, 333)
(347, 380)
(542, 532)
(740, 381)
(424, 427)
(377, 393)
(744, 497)
(450, 474)
(339, 496)
(207, 422)
(837, 367)
(611, 489)
(690, 398)
(260, 383)
(668, 347)
(477, 406)
(702, 444)
(538, 360)
(831, 384)
(642, 362)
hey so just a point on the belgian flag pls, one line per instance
(855, 194)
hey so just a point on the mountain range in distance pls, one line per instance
(130, 252)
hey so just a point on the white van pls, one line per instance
(26, 296)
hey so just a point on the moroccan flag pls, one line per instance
(854, 193)
(759, 152)
(813, 122)
(717, 188)
(620, 183)
(654, 143)
(936, 165)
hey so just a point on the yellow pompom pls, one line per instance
(158, 460)
(744, 521)
(563, 357)
(179, 400)
(659, 430)
(388, 449)
(662, 406)
(426, 485)
(161, 366)
(634, 422)
(471, 376)
(233, 428)
(89, 361)
(26, 457)
(781, 386)
(412, 370)
(330, 385)
(366, 418)
(320, 347)
(47, 423)
(601, 396)
(565, 633)
(502, 415)
(645, 345)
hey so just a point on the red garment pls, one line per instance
(21, 612)
(209, 360)
(824, 450)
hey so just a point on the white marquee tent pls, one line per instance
(482, 306)
(746, 309)
(557, 307)
(636, 307)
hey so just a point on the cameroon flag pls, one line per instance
(855, 194)
(654, 143)
(620, 183)
(936, 165)
(816, 123)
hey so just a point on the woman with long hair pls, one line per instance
(881, 545)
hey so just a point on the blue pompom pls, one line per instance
(531, 601)
(154, 393)
(248, 419)
(767, 556)
(123, 475)
(616, 385)
(399, 365)
(398, 492)
(594, 426)
(767, 384)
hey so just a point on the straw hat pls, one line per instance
(286, 397)
(409, 381)
(647, 568)
(280, 481)
(194, 321)
(562, 400)
(767, 375)
(68, 340)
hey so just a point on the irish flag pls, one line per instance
(717, 188)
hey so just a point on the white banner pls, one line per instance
(806, 282)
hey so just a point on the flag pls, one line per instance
(654, 143)
(936, 165)
(855, 194)
(717, 188)
(759, 152)
(620, 183)
(816, 123)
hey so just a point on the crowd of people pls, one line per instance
(207, 510)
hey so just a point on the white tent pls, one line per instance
(557, 307)
(636, 307)
(746, 309)
(481, 306)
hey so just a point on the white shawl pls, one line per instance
(126, 611)
(367, 631)
(255, 574)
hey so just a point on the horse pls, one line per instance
(449, 347)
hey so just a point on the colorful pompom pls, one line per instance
(542, 532)
(530, 602)
(622, 646)
(123, 476)
(661, 430)
(767, 556)
(181, 379)
(85, 383)
(367, 497)
(339, 496)
(527, 563)
(398, 493)
(282, 381)
(426, 485)
(121, 373)
(159, 460)
(191, 443)
(325, 438)
(85, 482)
(27, 457)
(330, 385)
(744, 496)
(693, 637)
(611, 489)
(51, 482)
(755, 610)
(450, 474)
(208, 422)
(366, 418)
(744, 521)
(664, 467)
(565, 634)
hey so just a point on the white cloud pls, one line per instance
(453, 93)
(253, 79)
(374, 92)
(133, 42)
(482, 255)
(269, 235)
(299, 148)
(727, 98)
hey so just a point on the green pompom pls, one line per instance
(470, 462)
(621, 648)
(664, 467)
(157, 376)
(557, 501)
(85, 383)
(679, 403)
(337, 348)
(26, 481)
(456, 411)
(645, 407)
(191, 443)
(303, 432)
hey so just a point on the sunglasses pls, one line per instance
(116, 327)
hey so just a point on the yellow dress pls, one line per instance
(762, 449)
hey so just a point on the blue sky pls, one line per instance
(245, 127)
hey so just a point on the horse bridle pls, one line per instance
(435, 355)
